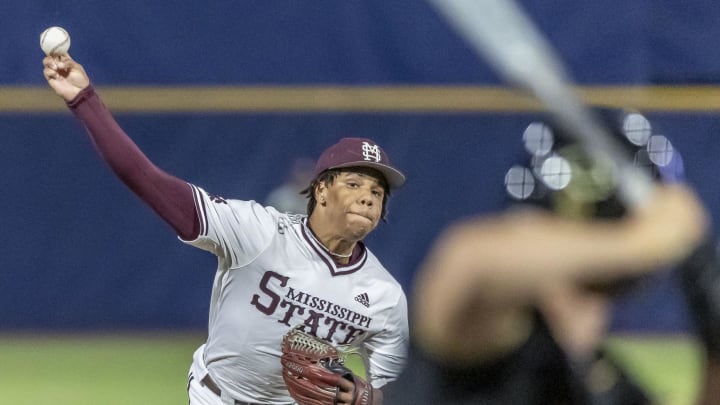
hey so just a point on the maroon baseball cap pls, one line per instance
(362, 152)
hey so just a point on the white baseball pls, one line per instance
(55, 41)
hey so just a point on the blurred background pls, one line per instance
(235, 96)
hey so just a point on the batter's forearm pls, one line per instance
(168, 196)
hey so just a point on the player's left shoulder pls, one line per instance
(373, 263)
(374, 267)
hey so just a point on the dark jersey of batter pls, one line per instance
(536, 373)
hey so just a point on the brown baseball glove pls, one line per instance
(313, 372)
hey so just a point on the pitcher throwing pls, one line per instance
(275, 271)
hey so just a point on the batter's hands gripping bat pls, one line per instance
(500, 32)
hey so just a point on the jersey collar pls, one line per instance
(357, 260)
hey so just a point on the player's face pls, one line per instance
(354, 203)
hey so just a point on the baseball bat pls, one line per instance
(500, 32)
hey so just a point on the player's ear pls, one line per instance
(320, 192)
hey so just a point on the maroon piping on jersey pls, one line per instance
(356, 262)
(201, 210)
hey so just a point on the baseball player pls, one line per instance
(526, 296)
(275, 271)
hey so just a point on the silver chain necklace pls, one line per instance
(330, 252)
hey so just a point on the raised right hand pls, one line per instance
(65, 76)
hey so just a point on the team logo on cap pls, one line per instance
(371, 152)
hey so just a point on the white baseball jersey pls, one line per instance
(273, 275)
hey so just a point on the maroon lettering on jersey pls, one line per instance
(296, 307)
(274, 298)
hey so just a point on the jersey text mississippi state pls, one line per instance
(344, 325)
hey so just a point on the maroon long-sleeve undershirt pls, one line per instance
(169, 196)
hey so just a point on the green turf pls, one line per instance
(151, 369)
(667, 366)
(92, 370)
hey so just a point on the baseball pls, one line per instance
(55, 41)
